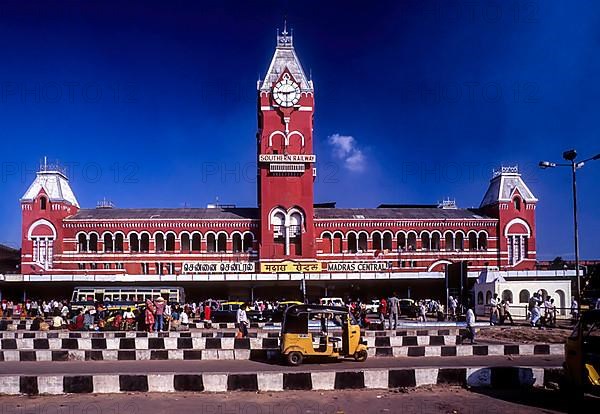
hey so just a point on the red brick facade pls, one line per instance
(60, 238)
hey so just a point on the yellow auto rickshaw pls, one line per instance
(305, 332)
(582, 356)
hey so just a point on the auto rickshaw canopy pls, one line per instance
(296, 318)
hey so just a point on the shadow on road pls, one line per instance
(543, 398)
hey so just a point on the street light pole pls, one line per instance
(570, 156)
(576, 229)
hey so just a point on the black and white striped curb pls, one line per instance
(243, 350)
(497, 377)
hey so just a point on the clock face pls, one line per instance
(286, 92)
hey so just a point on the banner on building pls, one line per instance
(289, 266)
(287, 158)
(219, 267)
(375, 266)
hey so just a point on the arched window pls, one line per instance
(43, 202)
(425, 241)
(170, 245)
(337, 243)
(159, 243)
(387, 241)
(449, 242)
(134, 243)
(211, 243)
(108, 242)
(82, 243)
(185, 242)
(488, 297)
(459, 243)
(119, 242)
(196, 242)
(480, 298)
(412, 241)
(237, 242)
(247, 242)
(517, 203)
(278, 223)
(524, 296)
(507, 296)
(401, 240)
(377, 245)
(472, 241)
(222, 243)
(561, 302)
(93, 245)
(295, 227)
(327, 243)
(435, 241)
(482, 243)
(362, 242)
(145, 243)
(352, 243)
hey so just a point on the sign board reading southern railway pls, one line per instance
(287, 158)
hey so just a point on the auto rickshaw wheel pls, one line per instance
(360, 356)
(294, 358)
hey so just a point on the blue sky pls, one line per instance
(153, 104)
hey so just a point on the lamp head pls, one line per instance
(546, 164)
(570, 155)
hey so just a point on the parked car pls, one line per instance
(408, 307)
(373, 306)
(332, 301)
(276, 315)
(226, 312)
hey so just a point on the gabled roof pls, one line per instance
(398, 213)
(285, 58)
(56, 186)
(503, 186)
(165, 213)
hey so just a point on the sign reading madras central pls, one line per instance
(290, 267)
(378, 266)
(287, 158)
(219, 267)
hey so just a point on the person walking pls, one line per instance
(470, 334)
(574, 309)
(494, 310)
(507, 314)
(536, 312)
(382, 312)
(242, 320)
(422, 312)
(159, 312)
(452, 305)
(394, 311)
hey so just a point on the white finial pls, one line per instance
(45, 163)
(285, 32)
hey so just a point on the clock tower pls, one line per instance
(286, 163)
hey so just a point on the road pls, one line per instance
(245, 366)
(430, 400)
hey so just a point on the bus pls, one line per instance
(123, 296)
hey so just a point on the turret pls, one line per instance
(511, 201)
(47, 201)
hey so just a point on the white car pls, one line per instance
(373, 307)
(332, 302)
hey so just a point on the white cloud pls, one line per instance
(346, 149)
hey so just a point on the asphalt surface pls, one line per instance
(425, 400)
(246, 366)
